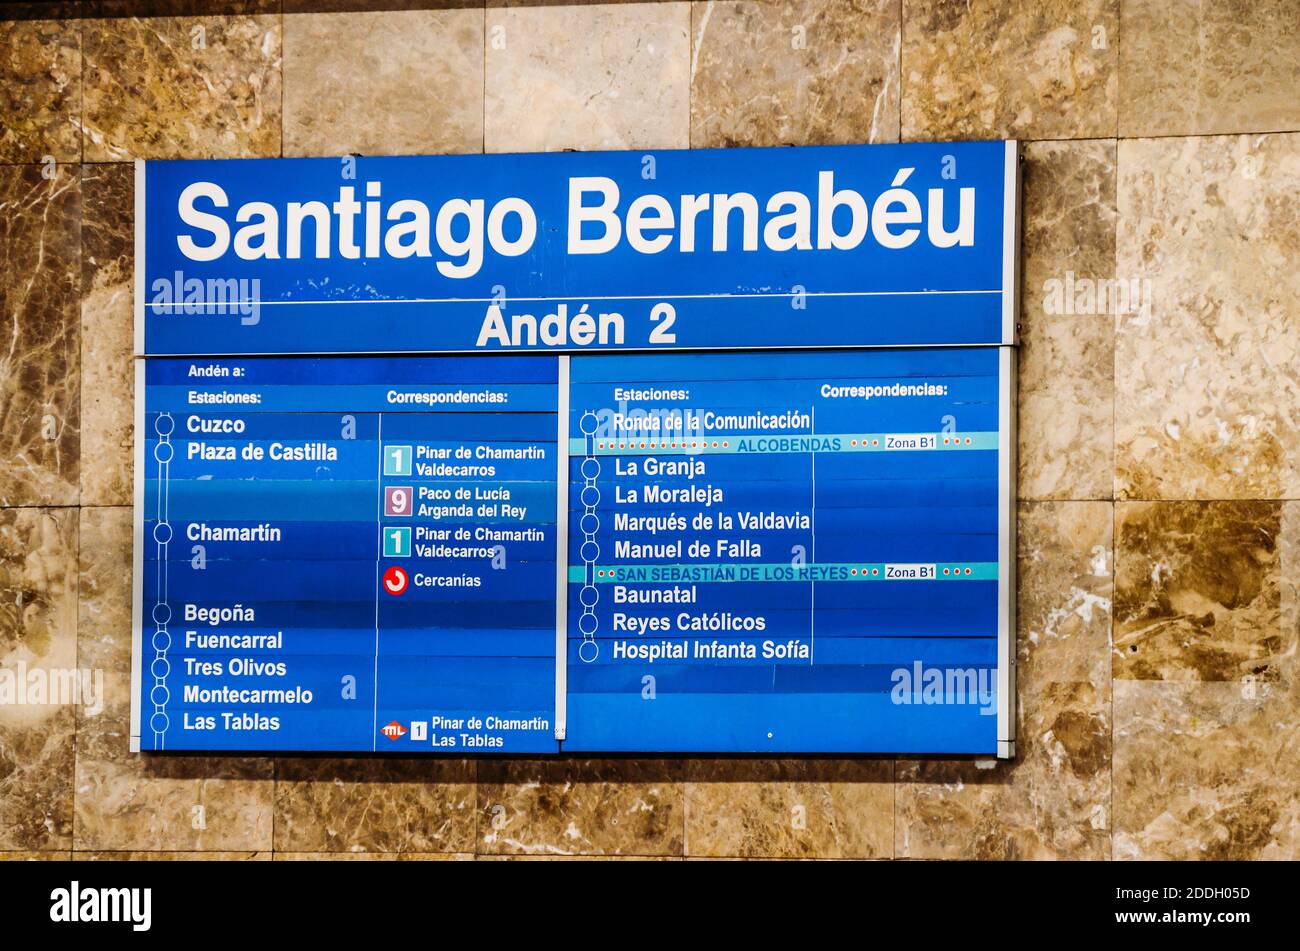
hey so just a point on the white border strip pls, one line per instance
(139, 256)
(1006, 552)
(137, 558)
(539, 350)
(137, 566)
(562, 552)
(1011, 243)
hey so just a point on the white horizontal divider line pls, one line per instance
(567, 297)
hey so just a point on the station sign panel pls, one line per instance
(672, 452)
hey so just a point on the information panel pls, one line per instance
(787, 552)
(341, 553)
(673, 452)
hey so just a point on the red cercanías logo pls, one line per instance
(395, 580)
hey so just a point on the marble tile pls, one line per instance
(1053, 800)
(1197, 67)
(1066, 586)
(374, 856)
(40, 99)
(1289, 593)
(1198, 592)
(1069, 218)
(391, 83)
(1067, 406)
(35, 856)
(993, 69)
(1206, 771)
(794, 808)
(1209, 378)
(41, 9)
(39, 374)
(1067, 353)
(170, 856)
(107, 333)
(581, 807)
(373, 6)
(587, 77)
(133, 801)
(182, 87)
(578, 858)
(38, 650)
(177, 8)
(374, 805)
(809, 72)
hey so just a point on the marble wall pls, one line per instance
(1159, 599)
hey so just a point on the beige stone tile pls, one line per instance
(107, 333)
(374, 805)
(1206, 771)
(383, 83)
(374, 856)
(1053, 800)
(171, 856)
(796, 808)
(1289, 593)
(1066, 585)
(141, 802)
(1066, 410)
(375, 6)
(40, 99)
(1196, 67)
(181, 8)
(578, 858)
(1209, 378)
(182, 87)
(34, 856)
(40, 214)
(1069, 218)
(1067, 354)
(581, 807)
(809, 72)
(38, 648)
(1198, 592)
(587, 77)
(1027, 69)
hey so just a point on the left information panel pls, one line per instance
(346, 553)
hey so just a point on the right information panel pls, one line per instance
(790, 552)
